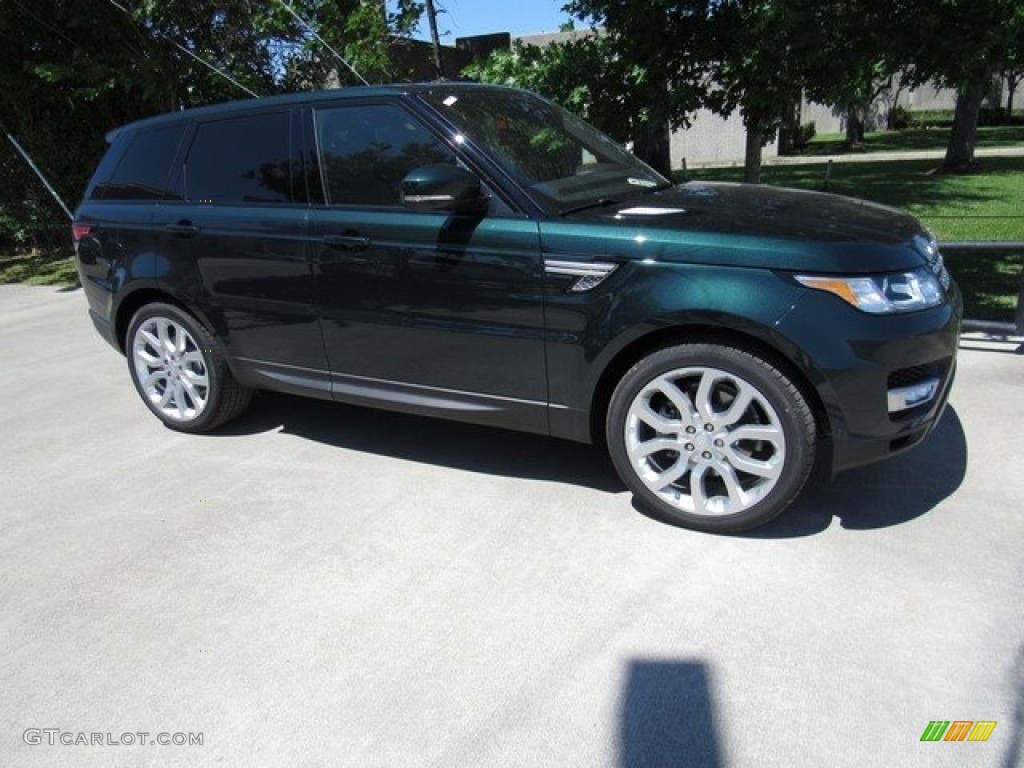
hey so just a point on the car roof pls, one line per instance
(302, 97)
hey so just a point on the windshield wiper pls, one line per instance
(603, 202)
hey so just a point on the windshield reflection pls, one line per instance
(565, 164)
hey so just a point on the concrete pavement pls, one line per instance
(319, 585)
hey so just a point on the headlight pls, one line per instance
(883, 294)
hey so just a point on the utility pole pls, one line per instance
(434, 39)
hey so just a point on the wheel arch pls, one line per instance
(134, 301)
(701, 333)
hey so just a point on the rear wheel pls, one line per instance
(179, 370)
(710, 437)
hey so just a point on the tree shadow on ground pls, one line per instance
(667, 716)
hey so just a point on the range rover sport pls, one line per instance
(478, 253)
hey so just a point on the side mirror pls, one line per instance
(437, 188)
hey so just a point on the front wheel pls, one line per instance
(179, 370)
(710, 437)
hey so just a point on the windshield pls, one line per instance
(561, 161)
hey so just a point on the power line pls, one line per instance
(39, 173)
(186, 51)
(323, 42)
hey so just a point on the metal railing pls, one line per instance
(1015, 328)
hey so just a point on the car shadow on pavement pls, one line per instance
(667, 716)
(880, 495)
(430, 441)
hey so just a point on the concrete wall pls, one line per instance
(712, 140)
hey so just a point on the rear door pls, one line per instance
(425, 312)
(235, 244)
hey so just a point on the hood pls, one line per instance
(751, 209)
(752, 225)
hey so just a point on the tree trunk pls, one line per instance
(1011, 86)
(752, 160)
(435, 39)
(960, 151)
(651, 144)
(854, 127)
(789, 131)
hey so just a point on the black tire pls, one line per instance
(709, 437)
(178, 369)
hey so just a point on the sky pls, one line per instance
(463, 18)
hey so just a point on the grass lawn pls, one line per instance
(989, 280)
(35, 268)
(982, 206)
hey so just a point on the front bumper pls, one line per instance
(883, 380)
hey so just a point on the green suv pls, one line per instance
(478, 253)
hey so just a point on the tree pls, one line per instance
(854, 58)
(977, 38)
(68, 77)
(585, 74)
(662, 48)
(726, 55)
(746, 74)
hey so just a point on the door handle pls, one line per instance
(347, 242)
(182, 229)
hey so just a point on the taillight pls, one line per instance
(80, 232)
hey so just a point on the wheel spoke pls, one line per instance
(148, 359)
(738, 407)
(769, 469)
(737, 496)
(193, 394)
(678, 398)
(697, 493)
(648, 447)
(768, 433)
(151, 341)
(165, 398)
(163, 333)
(656, 421)
(659, 482)
(150, 381)
(181, 339)
(179, 399)
(705, 393)
(195, 378)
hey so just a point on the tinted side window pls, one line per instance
(367, 150)
(143, 170)
(241, 160)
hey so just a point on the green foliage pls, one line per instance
(70, 74)
(582, 74)
(807, 133)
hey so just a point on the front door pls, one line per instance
(429, 313)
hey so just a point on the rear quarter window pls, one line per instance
(143, 170)
(244, 159)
